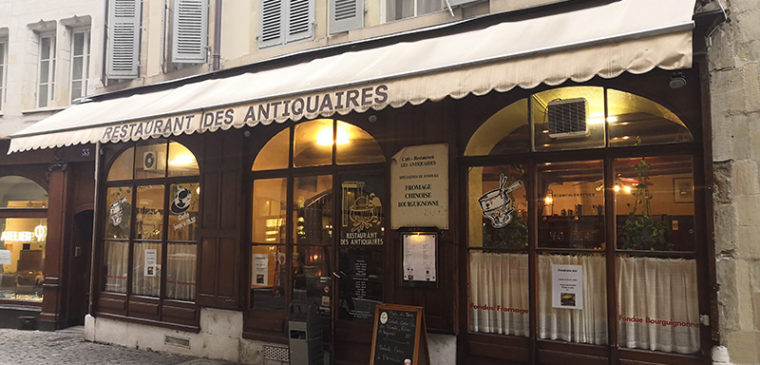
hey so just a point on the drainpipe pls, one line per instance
(95, 214)
(216, 53)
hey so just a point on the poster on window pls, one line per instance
(360, 255)
(567, 286)
(260, 269)
(150, 263)
(5, 257)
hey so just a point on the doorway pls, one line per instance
(78, 254)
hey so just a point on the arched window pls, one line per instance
(151, 221)
(651, 242)
(308, 180)
(23, 235)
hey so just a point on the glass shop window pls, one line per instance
(152, 221)
(23, 237)
(654, 246)
(294, 219)
(498, 249)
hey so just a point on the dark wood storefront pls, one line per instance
(51, 290)
(225, 243)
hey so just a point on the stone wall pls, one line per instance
(734, 55)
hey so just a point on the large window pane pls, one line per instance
(354, 146)
(504, 132)
(498, 293)
(655, 203)
(313, 143)
(311, 276)
(497, 207)
(20, 192)
(184, 208)
(146, 273)
(568, 118)
(658, 305)
(116, 257)
(150, 212)
(636, 121)
(182, 161)
(22, 256)
(268, 273)
(119, 211)
(572, 298)
(312, 210)
(122, 167)
(150, 161)
(269, 210)
(361, 246)
(571, 205)
(180, 272)
(275, 153)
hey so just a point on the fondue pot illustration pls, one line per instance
(496, 204)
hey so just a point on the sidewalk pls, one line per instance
(69, 347)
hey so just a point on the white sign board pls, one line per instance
(5, 257)
(150, 263)
(419, 257)
(567, 286)
(420, 187)
(260, 269)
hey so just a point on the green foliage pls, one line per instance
(640, 231)
(513, 236)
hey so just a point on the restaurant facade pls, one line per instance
(543, 198)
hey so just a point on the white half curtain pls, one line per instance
(658, 304)
(116, 254)
(499, 293)
(180, 274)
(587, 325)
(142, 284)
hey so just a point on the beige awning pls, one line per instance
(628, 35)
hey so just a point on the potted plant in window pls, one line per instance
(640, 230)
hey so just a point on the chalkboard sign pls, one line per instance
(399, 336)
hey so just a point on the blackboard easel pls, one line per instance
(399, 334)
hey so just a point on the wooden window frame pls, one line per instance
(271, 325)
(160, 310)
(532, 349)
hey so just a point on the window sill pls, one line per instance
(49, 109)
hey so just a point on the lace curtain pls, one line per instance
(658, 304)
(657, 300)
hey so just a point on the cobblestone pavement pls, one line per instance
(69, 347)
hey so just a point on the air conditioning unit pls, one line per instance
(567, 118)
(149, 161)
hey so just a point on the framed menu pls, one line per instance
(419, 251)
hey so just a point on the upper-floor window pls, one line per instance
(123, 48)
(400, 9)
(46, 70)
(187, 31)
(80, 62)
(282, 22)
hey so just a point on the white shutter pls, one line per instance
(300, 15)
(346, 15)
(123, 39)
(190, 31)
(271, 27)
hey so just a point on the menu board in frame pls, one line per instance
(419, 257)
